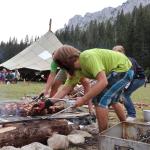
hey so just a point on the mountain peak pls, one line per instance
(105, 13)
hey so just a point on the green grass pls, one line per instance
(142, 95)
(16, 91)
(21, 89)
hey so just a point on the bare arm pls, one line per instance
(97, 88)
(86, 85)
(63, 92)
(49, 82)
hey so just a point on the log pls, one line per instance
(20, 134)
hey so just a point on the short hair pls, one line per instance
(119, 48)
(65, 56)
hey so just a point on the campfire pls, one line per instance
(20, 120)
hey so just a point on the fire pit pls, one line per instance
(17, 123)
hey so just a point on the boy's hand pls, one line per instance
(46, 94)
(41, 105)
(79, 102)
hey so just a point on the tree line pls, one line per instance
(131, 30)
(13, 47)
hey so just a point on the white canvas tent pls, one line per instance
(37, 56)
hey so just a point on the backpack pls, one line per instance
(138, 70)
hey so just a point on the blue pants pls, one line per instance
(116, 83)
(135, 84)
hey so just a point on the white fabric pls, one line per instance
(37, 56)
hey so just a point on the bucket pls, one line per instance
(146, 114)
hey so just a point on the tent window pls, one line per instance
(45, 55)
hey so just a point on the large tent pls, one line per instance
(37, 56)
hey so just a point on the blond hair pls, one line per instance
(65, 57)
(119, 48)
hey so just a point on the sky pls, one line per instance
(19, 18)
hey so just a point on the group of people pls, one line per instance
(115, 74)
(9, 76)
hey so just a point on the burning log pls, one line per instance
(20, 134)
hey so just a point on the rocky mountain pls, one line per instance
(106, 13)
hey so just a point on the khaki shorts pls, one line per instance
(61, 75)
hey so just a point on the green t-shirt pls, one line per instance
(96, 60)
(73, 80)
(54, 67)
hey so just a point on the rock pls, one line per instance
(9, 148)
(76, 139)
(80, 132)
(35, 146)
(92, 129)
(58, 141)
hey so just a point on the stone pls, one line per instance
(58, 141)
(36, 146)
(76, 139)
(80, 132)
(92, 129)
(9, 148)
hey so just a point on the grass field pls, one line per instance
(142, 95)
(21, 89)
(16, 91)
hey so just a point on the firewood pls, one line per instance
(6, 129)
(20, 134)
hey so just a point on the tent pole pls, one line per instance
(50, 23)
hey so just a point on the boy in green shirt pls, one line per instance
(111, 70)
(55, 80)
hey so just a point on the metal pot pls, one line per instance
(146, 114)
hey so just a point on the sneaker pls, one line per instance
(130, 119)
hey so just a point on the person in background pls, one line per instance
(146, 81)
(17, 75)
(3, 75)
(137, 82)
(112, 72)
(9, 78)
